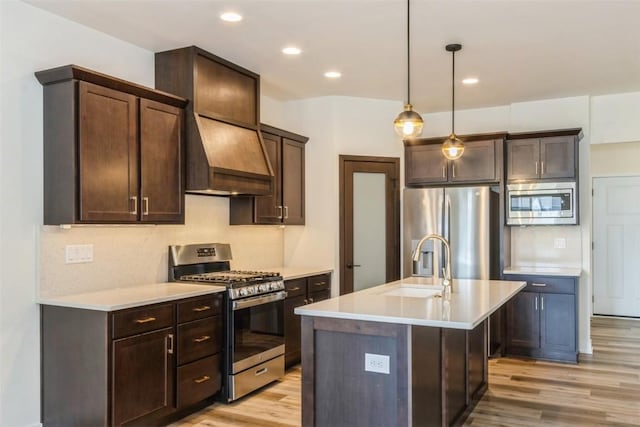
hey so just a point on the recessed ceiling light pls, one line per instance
(291, 50)
(231, 17)
(470, 81)
(332, 74)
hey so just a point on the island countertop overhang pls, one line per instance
(471, 302)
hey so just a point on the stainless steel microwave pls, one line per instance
(542, 204)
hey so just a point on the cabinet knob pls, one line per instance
(134, 199)
(146, 320)
(145, 206)
(286, 212)
(279, 208)
(202, 379)
(202, 339)
(199, 309)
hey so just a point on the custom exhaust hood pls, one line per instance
(225, 154)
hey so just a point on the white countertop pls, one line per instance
(472, 301)
(544, 271)
(289, 273)
(119, 298)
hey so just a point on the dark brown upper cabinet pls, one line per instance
(287, 203)
(549, 155)
(481, 162)
(113, 150)
(225, 153)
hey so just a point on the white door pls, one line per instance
(616, 252)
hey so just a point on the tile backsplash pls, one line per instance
(135, 255)
(546, 246)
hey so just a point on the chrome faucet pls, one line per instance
(446, 271)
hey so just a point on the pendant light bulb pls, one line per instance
(408, 124)
(452, 147)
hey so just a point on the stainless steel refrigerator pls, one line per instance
(468, 217)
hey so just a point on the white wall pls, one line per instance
(614, 118)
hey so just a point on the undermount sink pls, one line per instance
(413, 292)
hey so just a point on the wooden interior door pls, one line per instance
(384, 172)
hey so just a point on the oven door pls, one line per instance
(257, 330)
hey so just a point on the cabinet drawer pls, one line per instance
(143, 319)
(199, 338)
(296, 287)
(198, 380)
(199, 308)
(549, 284)
(319, 282)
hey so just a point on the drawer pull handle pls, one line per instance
(321, 283)
(202, 379)
(261, 371)
(146, 320)
(202, 338)
(170, 343)
(297, 288)
(203, 308)
(541, 285)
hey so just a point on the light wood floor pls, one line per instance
(603, 390)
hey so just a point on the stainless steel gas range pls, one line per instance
(254, 314)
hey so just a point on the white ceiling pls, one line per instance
(521, 50)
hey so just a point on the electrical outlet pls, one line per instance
(560, 243)
(74, 254)
(376, 363)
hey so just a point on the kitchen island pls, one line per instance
(398, 354)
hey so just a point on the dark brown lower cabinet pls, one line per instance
(542, 319)
(301, 291)
(142, 375)
(135, 366)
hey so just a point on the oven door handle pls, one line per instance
(253, 301)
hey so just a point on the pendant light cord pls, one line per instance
(453, 91)
(408, 55)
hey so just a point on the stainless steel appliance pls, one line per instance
(548, 203)
(254, 315)
(468, 217)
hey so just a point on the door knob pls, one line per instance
(353, 265)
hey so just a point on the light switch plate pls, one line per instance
(75, 254)
(376, 363)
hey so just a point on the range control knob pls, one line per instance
(243, 292)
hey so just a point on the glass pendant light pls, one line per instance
(452, 148)
(408, 124)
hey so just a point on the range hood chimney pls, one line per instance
(225, 154)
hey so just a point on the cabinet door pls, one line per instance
(557, 157)
(108, 155)
(558, 322)
(161, 166)
(425, 164)
(292, 181)
(142, 375)
(292, 330)
(523, 321)
(477, 164)
(268, 209)
(523, 156)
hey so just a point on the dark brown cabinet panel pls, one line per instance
(137, 365)
(108, 154)
(301, 291)
(113, 150)
(524, 321)
(425, 164)
(542, 319)
(161, 169)
(143, 373)
(286, 205)
(481, 162)
(551, 155)
(478, 163)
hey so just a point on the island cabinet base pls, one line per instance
(361, 373)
